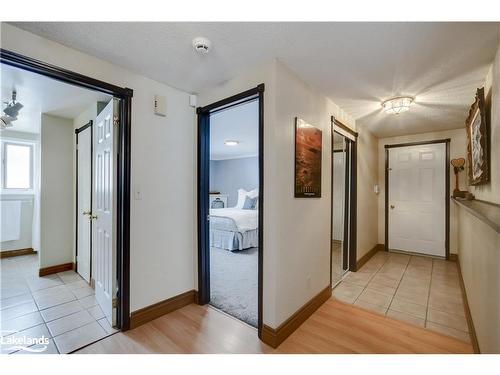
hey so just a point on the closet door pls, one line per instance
(84, 202)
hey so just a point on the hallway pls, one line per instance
(335, 327)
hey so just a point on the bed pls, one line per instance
(234, 228)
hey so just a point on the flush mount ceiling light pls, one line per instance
(397, 105)
(6, 121)
(231, 143)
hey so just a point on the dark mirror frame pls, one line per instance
(350, 217)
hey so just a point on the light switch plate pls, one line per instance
(137, 194)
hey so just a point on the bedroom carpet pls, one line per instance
(233, 282)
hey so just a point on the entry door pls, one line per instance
(103, 212)
(417, 199)
(84, 202)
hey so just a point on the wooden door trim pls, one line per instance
(124, 162)
(446, 141)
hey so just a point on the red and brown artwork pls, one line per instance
(308, 144)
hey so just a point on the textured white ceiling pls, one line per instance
(355, 64)
(240, 123)
(40, 94)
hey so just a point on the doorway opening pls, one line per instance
(343, 193)
(71, 212)
(230, 205)
(417, 207)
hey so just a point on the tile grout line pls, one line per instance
(86, 324)
(399, 283)
(429, 295)
(366, 286)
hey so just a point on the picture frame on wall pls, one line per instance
(477, 141)
(308, 157)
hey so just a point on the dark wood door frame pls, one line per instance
(123, 166)
(446, 141)
(203, 190)
(77, 132)
(350, 209)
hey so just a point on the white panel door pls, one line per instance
(84, 202)
(104, 248)
(417, 199)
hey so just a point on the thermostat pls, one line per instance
(160, 105)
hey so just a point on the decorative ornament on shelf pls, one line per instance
(458, 166)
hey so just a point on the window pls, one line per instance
(17, 166)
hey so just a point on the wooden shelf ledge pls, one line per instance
(487, 212)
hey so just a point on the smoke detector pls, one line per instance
(202, 45)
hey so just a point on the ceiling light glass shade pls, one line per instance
(231, 143)
(6, 121)
(397, 105)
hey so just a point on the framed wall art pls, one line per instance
(477, 141)
(308, 155)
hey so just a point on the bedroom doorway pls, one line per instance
(230, 182)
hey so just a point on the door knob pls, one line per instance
(392, 207)
(87, 212)
(93, 217)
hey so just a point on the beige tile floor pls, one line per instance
(62, 307)
(415, 289)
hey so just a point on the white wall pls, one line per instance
(457, 150)
(296, 231)
(300, 227)
(479, 244)
(479, 255)
(56, 191)
(163, 224)
(367, 202)
(229, 175)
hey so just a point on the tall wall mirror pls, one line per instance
(343, 257)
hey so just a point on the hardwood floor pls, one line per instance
(337, 327)
(334, 328)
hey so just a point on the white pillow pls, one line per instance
(242, 194)
(253, 193)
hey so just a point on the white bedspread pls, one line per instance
(244, 220)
